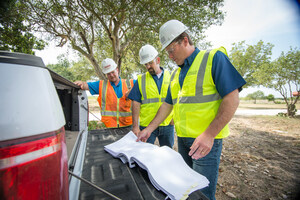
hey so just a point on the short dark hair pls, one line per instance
(179, 38)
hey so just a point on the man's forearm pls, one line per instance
(225, 113)
(204, 142)
(136, 107)
(162, 113)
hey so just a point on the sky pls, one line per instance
(273, 21)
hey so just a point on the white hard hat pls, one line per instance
(147, 53)
(108, 65)
(169, 31)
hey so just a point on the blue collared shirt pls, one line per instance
(225, 76)
(135, 93)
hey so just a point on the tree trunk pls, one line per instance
(91, 58)
(291, 110)
(97, 68)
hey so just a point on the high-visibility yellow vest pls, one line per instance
(151, 99)
(115, 112)
(196, 105)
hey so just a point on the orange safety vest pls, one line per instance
(115, 112)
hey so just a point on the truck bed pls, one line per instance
(88, 160)
(112, 175)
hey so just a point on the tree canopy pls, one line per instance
(116, 28)
(248, 59)
(15, 34)
(62, 68)
(79, 70)
(270, 97)
(283, 74)
(256, 95)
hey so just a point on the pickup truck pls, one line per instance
(39, 109)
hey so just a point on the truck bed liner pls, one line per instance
(112, 175)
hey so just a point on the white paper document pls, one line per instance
(166, 168)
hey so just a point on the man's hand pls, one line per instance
(201, 146)
(163, 112)
(136, 130)
(83, 85)
(143, 135)
(127, 93)
(204, 142)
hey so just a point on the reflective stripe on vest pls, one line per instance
(104, 95)
(144, 94)
(114, 113)
(196, 103)
(121, 115)
(151, 98)
(199, 97)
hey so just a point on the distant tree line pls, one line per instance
(79, 70)
(259, 95)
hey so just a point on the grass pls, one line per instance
(93, 125)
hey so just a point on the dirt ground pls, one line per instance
(261, 157)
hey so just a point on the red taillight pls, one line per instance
(34, 167)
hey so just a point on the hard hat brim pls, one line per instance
(169, 31)
(109, 70)
(169, 42)
(148, 60)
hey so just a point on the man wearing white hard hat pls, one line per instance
(204, 95)
(114, 105)
(147, 94)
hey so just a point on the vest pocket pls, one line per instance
(127, 103)
(125, 120)
(197, 122)
(106, 120)
(147, 113)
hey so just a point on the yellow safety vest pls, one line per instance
(151, 99)
(196, 105)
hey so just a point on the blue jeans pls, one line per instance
(207, 166)
(165, 135)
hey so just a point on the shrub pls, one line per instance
(95, 125)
